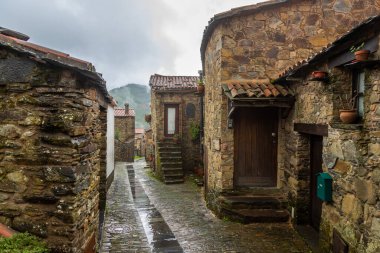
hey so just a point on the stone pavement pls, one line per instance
(123, 230)
(193, 225)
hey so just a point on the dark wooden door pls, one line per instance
(315, 168)
(255, 157)
(171, 120)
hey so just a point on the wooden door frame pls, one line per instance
(308, 131)
(274, 150)
(166, 106)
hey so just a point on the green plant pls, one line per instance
(22, 243)
(347, 102)
(353, 49)
(117, 134)
(200, 82)
(194, 131)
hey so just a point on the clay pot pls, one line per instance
(319, 74)
(362, 55)
(348, 116)
(200, 88)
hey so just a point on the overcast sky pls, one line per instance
(126, 40)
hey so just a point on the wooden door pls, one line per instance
(171, 120)
(255, 156)
(315, 168)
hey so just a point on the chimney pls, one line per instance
(126, 108)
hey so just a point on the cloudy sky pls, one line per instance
(127, 40)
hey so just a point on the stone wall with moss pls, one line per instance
(124, 138)
(188, 118)
(351, 155)
(50, 142)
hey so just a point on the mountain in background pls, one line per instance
(138, 97)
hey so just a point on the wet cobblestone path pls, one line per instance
(123, 230)
(191, 224)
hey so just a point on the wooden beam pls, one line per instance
(314, 129)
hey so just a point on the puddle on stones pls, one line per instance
(160, 237)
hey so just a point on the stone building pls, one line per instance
(175, 113)
(53, 147)
(149, 147)
(124, 134)
(317, 141)
(243, 50)
(139, 142)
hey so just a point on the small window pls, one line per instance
(358, 88)
(190, 110)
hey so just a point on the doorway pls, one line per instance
(316, 145)
(255, 152)
(171, 120)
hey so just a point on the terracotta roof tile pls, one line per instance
(120, 112)
(160, 82)
(255, 89)
(18, 42)
(139, 130)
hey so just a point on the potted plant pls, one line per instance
(348, 114)
(148, 118)
(176, 138)
(319, 74)
(200, 87)
(360, 53)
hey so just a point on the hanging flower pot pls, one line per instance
(319, 74)
(348, 116)
(148, 118)
(200, 88)
(362, 55)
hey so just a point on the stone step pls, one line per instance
(171, 164)
(170, 159)
(173, 177)
(256, 191)
(174, 174)
(169, 149)
(169, 154)
(171, 171)
(167, 144)
(257, 215)
(174, 181)
(252, 202)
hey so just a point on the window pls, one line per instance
(190, 110)
(358, 87)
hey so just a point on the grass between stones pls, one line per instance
(22, 242)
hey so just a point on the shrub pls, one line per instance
(22, 243)
(194, 131)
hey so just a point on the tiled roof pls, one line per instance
(120, 112)
(166, 83)
(235, 12)
(139, 130)
(372, 24)
(19, 43)
(255, 89)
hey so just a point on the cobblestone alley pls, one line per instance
(145, 215)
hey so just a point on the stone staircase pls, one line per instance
(171, 161)
(255, 206)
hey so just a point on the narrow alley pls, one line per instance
(145, 215)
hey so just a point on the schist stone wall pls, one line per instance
(187, 115)
(354, 210)
(124, 136)
(261, 43)
(52, 139)
(149, 148)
